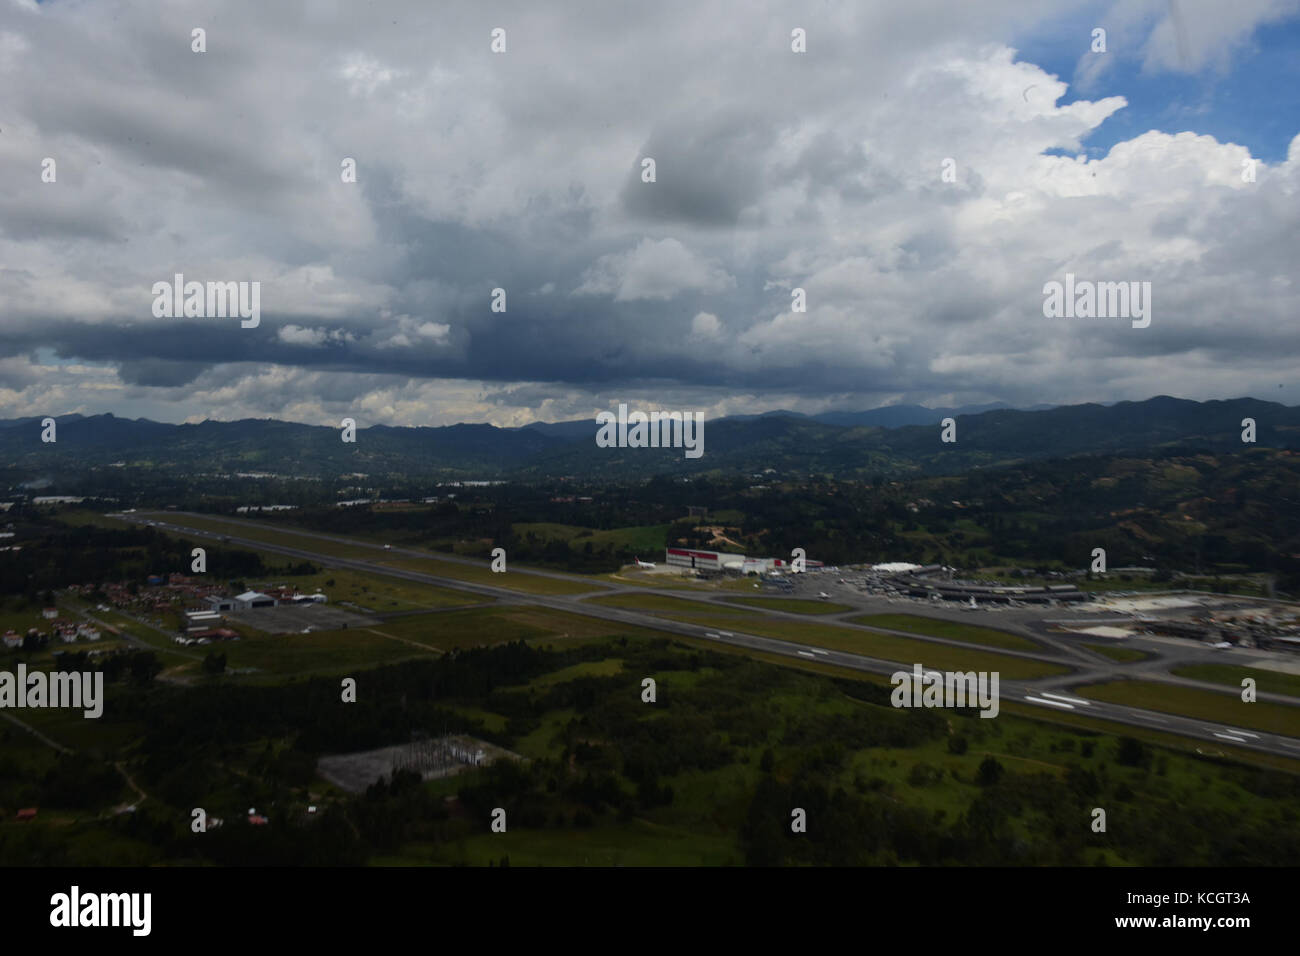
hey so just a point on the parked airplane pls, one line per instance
(822, 594)
(644, 564)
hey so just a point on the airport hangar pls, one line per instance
(716, 562)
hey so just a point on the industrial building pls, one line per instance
(201, 620)
(716, 561)
(704, 560)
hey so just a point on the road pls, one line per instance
(1050, 693)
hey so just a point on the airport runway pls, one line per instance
(1050, 693)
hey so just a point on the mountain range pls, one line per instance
(891, 441)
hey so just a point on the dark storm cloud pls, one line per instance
(522, 171)
(708, 169)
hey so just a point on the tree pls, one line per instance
(1133, 753)
(989, 773)
(957, 745)
(214, 663)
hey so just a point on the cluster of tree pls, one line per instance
(57, 555)
(139, 667)
(1015, 819)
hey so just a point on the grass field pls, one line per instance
(275, 657)
(953, 630)
(673, 582)
(638, 843)
(358, 648)
(793, 605)
(473, 573)
(889, 647)
(1125, 655)
(871, 644)
(1273, 682)
(670, 606)
(377, 592)
(1206, 705)
(604, 668)
(648, 539)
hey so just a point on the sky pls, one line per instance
(774, 170)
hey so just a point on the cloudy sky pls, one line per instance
(522, 170)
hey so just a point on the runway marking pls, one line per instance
(818, 650)
(1245, 734)
(805, 654)
(1054, 703)
(1240, 740)
(1287, 743)
(725, 633)
(1072, 700)
(1158, 720)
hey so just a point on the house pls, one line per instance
(49, 613)
(13, 639)
(218, 602)
(27, 813)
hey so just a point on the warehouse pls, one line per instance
(704, 560)
(724, 561)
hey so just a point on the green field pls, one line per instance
(793, 605)
(320, 653)
(1206, 705)
(891, 648)
(682, 608)
(677, 582)
(870, 644)
(432, 565)
(953, 630)
(377, 592)
(1273, 682)
(1116, 652)
(358, 648)
(648, 539)
(639, 843)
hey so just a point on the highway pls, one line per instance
(1049, 693)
